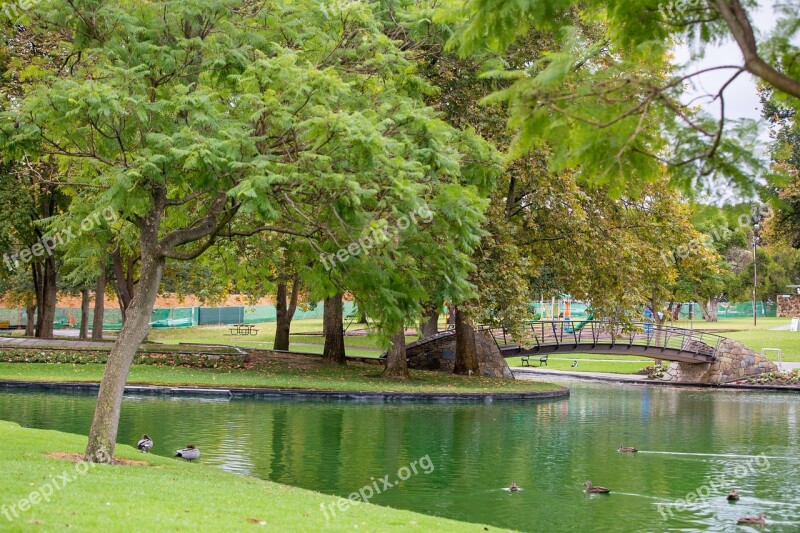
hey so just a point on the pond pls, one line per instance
(695, 444)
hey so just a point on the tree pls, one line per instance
(285, 312)
(396, 363)
(202, 120)
(607, 97)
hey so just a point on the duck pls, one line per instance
(189, 453)
(627, 449)
(759, 520)
(514, 487)
(145, 443)
(733, 495)
(590, 489)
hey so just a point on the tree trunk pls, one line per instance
(99, 306)
(333, 352)
(675, 310)
(103, 434)
(362, 319)
(44, 277)
(396, 363)
(30, 319)
(451, 315)
(710, 310)
(285, 313)
(123, 281)
(466, 353)
(429, 325)
(84, 332)
(658, 323)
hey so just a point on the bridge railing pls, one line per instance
(599, 332)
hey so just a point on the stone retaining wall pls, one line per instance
(439, 353)
(789, 307)
(734, 361)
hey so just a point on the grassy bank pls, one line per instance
(287, 372)
(165, 495)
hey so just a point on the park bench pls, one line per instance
(526, 360)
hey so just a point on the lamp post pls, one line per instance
(755, 268)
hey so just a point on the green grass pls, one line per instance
(167, 495)
(303, 373)
(361, 345)
(589, 363)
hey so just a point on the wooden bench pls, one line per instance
(526, 360)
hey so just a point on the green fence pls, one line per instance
(734, 310)
(724, 310)
(70, 317)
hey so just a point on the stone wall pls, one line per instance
(439, 353)
(734, 361)
(789, 307)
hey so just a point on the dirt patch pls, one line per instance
(77, 458)
(267, 358)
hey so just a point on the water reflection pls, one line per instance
(687, 439)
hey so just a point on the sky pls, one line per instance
(741, 97)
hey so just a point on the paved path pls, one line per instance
(544, 373)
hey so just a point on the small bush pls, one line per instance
(789, 378)
(652, 372)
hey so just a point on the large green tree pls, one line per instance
(203, 119)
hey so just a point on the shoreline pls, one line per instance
(635, 379)
(322, 394)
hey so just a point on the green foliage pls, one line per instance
(211, 119)
(606, 97)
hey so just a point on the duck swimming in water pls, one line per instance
(514, 487)
(190, 453)
(590, 489)
(759, 520)
(733, 495)
(627, 449)
(145, 443)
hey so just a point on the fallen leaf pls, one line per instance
(257, 521)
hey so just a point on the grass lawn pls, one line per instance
(287, 372)
(368, 345)
(589, 363)
(165, 495)
(357, 345)
(759, 336)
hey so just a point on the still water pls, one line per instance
(693, 443)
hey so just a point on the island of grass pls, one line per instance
(261, 370)
(45, 488)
